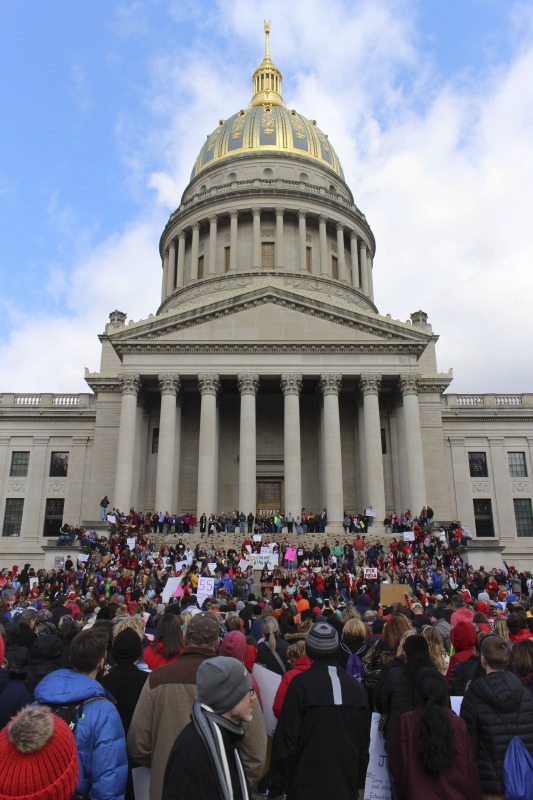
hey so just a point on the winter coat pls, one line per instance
(393, 696)
(302, 664)
(321, 741)
(463, 638)
(463, 674)
(459, 782)
(495, 708)
(443, 630)
(44, 657)
(157, 659)
(462, 614)
(99, 733)
(266, 658)
(13, 697)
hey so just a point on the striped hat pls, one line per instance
(322, 641)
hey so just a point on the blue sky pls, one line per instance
(105, 105)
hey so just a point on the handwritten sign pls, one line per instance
(408, 536)
(378, 783)
(257, 537)
(111, 519)
(243, 565)
(370, 574)
(248, 547)
(258, 560)
(170, 588)
(178, 566)
(206, 588)
(370, 512)
(290, 553)
(131, 541)
(212, 567)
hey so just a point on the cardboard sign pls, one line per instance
(393, 593)
(378, 782)
(206, 588)
(370, 574)
(268, 686)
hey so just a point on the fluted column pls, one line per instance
(171, 274)
(207, 447)
(256, 256)
(364, 272)
(340, 252)
(212, 266)
(302, 241)
(164, 290)
(361, 446)
(126, 442)
(280, 261)
(248, 387)
(164, 489)
(355, 260)
(324, 266)
(291, 386)
(181, 259)
(370, 385)
(234, 215)
(330, 386)
(370, 275)
(413, 443)
(195, 250)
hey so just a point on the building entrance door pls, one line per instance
(270, 497)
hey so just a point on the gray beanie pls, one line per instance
(322, 641)
(222, 683)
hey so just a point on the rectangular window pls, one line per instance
(483, 518)
(267, 255)
(383, 442)
(227, 259)
(53, 517)
(523, 516)
(155, 440)
(59, 465)
(13, 516)
(478, 465)
(200, 268)
(335, 268)
(517, 465)
(19, 464)
(309, 259)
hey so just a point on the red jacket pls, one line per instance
(463, 638)
(157, 659)
(301, 665)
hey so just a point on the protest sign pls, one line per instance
(268, 686)
(131, 542)
(258, 560)
(212, 567)
(112, 519)
(243, 565)
(170, 587)
(178, 566)
(290, 553)
(370, 574)
(378, 783)
(248, 547)
(370, 512)
(206, 588)
(409, 536)
(393, 593)
(265, 550)
(59, 562)
(83, 557)
(257, 537)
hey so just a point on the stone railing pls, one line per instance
(47, 400)
(487, 401)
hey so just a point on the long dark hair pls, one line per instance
(168, 632)
(436, 743)
(417, 655)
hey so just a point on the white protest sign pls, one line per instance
(243, 565)
(206, 588)
(141, 782)
(178, 566)
(370, 512)
(83, 557)
(112, 519)
(456, 702)
(277, 589)
(258, 560)
(248, 547)
(408, 536)
(131, 542)
(34, 582)
(170, 587)
(268, 682)
(212, 566)
(370, 574)
(378, 783)
(265, 551)
(257, 537)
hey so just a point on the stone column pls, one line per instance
(164, 281)
(291, 386)
(369, 267)
(207, 468)
(370, 387)
(177, 457)
(126, 442)
(75, 479)
(212, 266)
(355, 260)
(364, 271)
(248, 387)
(324, 266)
(395, 460)
(171, 274)
(38, 473)
(234, 215)
(194, 251)
(503, 514)
(413, 443)
(280, 261)
(340, 252)
(302, 242)
(164, 489)
(331, 386)
(464, 507)
(361, 444)
(256, 255)
(181, 259)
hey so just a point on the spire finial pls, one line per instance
(267, 78)
(266, 26)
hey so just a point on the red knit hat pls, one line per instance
(38, 757)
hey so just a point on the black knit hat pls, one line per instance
(127, 646)
(322, 642)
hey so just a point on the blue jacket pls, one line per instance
(99, 733)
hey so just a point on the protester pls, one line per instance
(13, 693)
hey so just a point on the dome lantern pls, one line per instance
(267, 79)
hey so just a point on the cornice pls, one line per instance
(446, 418)
(140, 348)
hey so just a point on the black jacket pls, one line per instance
(13, 697)
(497, 707)
(464, 673)
(322, 736)
(393, 696)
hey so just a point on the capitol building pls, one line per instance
(268, 378)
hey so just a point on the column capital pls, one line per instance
(208, 384)
(330, 384)
(362, 245)
(408, 384)
(41, 441)
(172, 243)
(169, 384)
(195, 226)
(213, 219)
(456, 441)
(234, 214)
(496, 441)
(353, 234)
(322, 219)
(182, 234)
(256, 211)
(370, 383)
(291, 384)
(248, 383)
(165, 253)
(339, 226)
(280, 212)
(130, 384)
(4, 441)
(301, 213)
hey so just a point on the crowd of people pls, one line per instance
(94, 658)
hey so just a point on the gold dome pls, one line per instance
(267, 126)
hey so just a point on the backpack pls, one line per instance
(518, 771)
(71, 713)
(354, 666)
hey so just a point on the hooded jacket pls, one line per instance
(463, 638)
(99, 733)
(13, 697)
(497, 707)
